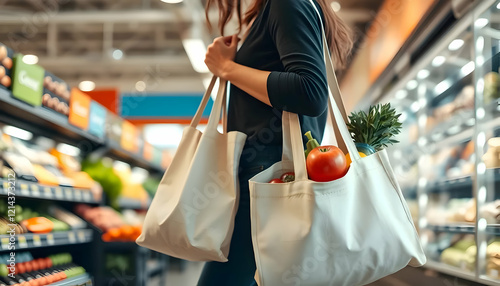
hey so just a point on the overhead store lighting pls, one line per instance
(30, 59)
(196, 50)
(456, 44)
(412, 84)
(438, 61)
(117, 54)
(422, 74)
(467, 68)
(17, 132)
(171, 1)
(336, 6)
(481, 23)
(415, 106)
(498, 6)
(86, 85)
(140, 86)
(68, 149)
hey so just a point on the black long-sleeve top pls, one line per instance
(285, 39)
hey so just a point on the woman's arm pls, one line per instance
(250, 80)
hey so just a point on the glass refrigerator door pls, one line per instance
(487, 137)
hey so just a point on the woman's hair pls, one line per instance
(337, 33)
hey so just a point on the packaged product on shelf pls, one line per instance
(56, 94)
(6, 56)
(491, 87)
(67, 217)
(461, 254)
(492, 157)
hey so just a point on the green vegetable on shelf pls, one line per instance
(376, 128)
(311, 144)
(106, 176)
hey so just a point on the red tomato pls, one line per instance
(326, 163)
(275, 181)
(288, 177)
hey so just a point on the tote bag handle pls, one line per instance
(292, 139)
(219, 104)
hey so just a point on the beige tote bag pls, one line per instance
(351, 231)
(192, 213)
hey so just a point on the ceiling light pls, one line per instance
(17, 132)
(412, 84)
(117, 54)
(467, 68)
(401, 94)
(336, 6)
(415, 106)
(196, 50)
(438, 61)
(86, 85)
(481, 22)
(171, 1)
(456, 44)
(140, 86)
(30, 59)
(498, 6)
(423, 74)
(442, 86)
(68, 149)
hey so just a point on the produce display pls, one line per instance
(462, 254)
(5, 66)
(42, 220)
(101, 170)
(39, 271)
(110, 222)
(492, 157)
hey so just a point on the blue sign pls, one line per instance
(97, 121)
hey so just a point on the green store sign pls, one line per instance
(27, 82)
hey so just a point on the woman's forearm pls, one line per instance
(250, 80)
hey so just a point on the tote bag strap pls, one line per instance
(219, 105)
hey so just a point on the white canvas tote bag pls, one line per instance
(192, 213)
(351, 231)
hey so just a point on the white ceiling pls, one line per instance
(75, 39)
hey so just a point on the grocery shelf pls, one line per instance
(33, 240)
(83, 279)
(462, 183)
(466, 228)
(126, 203)
(27, 189)
(460, 273)
(115, 151)
(39, 119)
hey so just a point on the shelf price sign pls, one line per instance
(47, 192)
(97, 120)
(72, 237)
(24, 190)
(79, 109)
(22, 241)
(69, 193)
(129, 137)
(27, 81)
(81, 236)
(50, 239)
(35, 191)
(37, 241)
(5, 242)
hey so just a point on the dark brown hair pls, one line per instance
(337, 32)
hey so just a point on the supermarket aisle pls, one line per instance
(187, 277)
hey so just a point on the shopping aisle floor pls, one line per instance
(406, 277)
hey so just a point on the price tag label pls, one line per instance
(47, 192)
(78, 194)
(68, 193)
(5, 186)
(22, 242)
(5, 242)
(50, 239)
(36, 240)
(59, 193)
(81, 236)
(87, 196)
(35, 190)
(71, 237)
(24, 190)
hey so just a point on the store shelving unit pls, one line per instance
(84, 279)
(447, 124)
(31, 240)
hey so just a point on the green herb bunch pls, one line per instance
(376, 128)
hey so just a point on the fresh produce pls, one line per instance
(38, 225)
(67, 218)
(276, 181)
(106, 177)
(375, 128)
(349, 160)
(326, 163)
(288, 177)
(311, 144)
(105, 218)
(123, 233)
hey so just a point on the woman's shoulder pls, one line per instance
(291, 8)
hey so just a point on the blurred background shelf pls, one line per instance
(32, 240)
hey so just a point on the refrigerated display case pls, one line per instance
(448, 158)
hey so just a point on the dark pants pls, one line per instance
(240, 269)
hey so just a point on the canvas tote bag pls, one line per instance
(192, 213)
(350, 231)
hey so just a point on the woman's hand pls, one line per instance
(220, 54)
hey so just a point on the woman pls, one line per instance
(279, 66)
